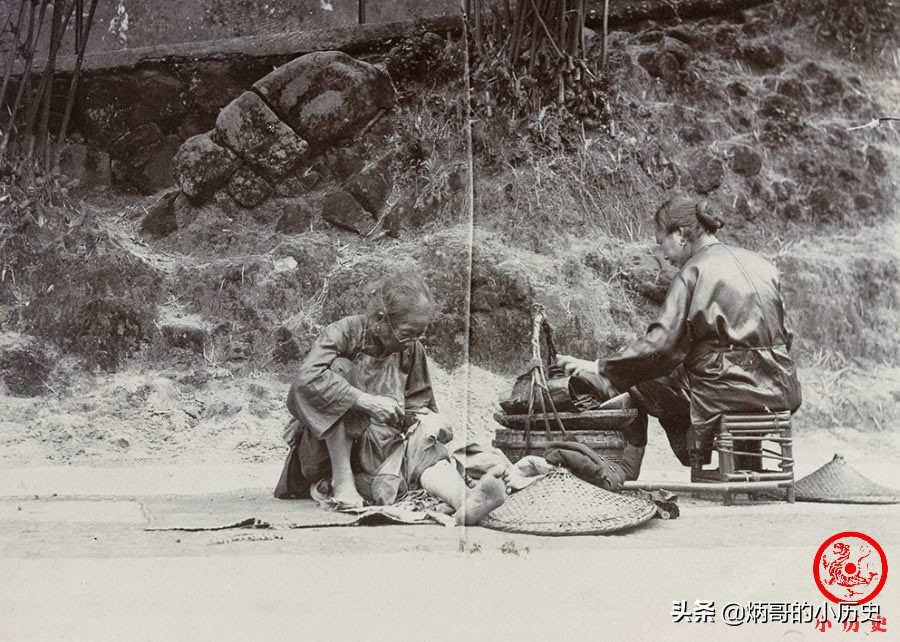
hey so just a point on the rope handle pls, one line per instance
(538, 319)
(551, 349)
(540, 326)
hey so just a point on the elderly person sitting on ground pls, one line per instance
(365, 416)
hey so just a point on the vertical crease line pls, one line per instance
(470, 207)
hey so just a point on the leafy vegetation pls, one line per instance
(534, 57)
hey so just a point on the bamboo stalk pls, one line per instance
(28, 59)
(45, 92)
(73, 85)
(561, 27)
(547, 32)
(576, 46)
(699, 487)
(542, 29)
(603, 55)
(534, 34)
(478, 37)
(56, 32)
(79, 20)
(15, 48)
(582, 17)
(515, 41)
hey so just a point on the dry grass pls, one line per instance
(837, 397)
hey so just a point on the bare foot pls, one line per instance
(488, 494)
(345, 493)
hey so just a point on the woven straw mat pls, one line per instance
(562, 504)
(839, 483)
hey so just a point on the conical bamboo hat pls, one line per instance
(840, 483)
(562, 504)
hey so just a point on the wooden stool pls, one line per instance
(739, 443)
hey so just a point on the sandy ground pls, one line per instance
(108, 579)
(585, 594)
(73, 537)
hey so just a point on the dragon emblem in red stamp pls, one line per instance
(850, 567)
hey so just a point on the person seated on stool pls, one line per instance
(720, 343)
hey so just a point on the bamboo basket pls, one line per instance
(599, 430)
(589, 420)
(515, 444)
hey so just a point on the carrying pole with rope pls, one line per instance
(539, 387)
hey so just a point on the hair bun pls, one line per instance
(711, 223)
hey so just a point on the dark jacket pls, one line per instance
(724, 320)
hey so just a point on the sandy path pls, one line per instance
(412, 584)
(84, 551)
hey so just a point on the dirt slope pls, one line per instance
(119, 346)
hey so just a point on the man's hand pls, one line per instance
(382, 409)
(574, 365)
(604, 385)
